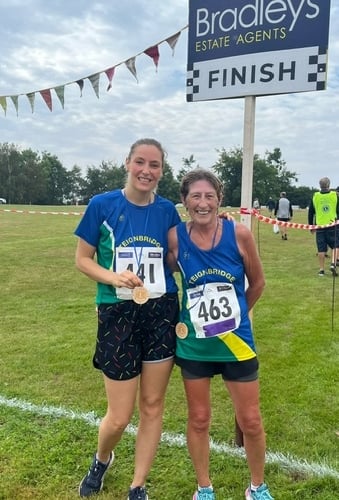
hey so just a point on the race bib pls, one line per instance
(214, 309)
(145, 262)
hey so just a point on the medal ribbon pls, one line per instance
(181, 327)
(137, 257)
(204, 283)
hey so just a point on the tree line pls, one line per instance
(29, 177)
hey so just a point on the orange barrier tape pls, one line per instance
(293, 225)
(243, 211)
(36, 212)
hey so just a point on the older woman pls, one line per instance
(214, 335)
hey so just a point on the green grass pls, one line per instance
(47, 336)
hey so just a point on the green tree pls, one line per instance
(32, 180)
(76, 185)
(57, 180)
(106, 177)
(228, 168)
(188, 164)
(270, 175)
(9, 170)
(168, 185)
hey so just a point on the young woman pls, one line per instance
(122, 246)
(214, 333)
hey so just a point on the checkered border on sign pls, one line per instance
(192, 83)
(318, 66)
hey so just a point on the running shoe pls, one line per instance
(204, 494)
(333, 270)
(138, 493)
(261, 493)
(93, 482)
(321, 272)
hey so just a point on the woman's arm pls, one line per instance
(85, 262)
(172, 254)
(253, 267)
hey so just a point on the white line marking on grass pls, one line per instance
(287, 462)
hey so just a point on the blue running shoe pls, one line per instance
(261, 493)
(138, 493)
(204, 494)
(93, 482)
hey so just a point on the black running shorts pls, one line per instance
(130, 334)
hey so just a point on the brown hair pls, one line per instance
(200, 174)
(148, 142)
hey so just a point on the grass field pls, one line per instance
(51, 398)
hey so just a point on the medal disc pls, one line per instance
(140, 295)
(181, 330)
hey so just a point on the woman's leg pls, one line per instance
(245, 397)
(121, 395)
(153, 383)
(199, 416)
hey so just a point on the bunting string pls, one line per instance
(94, 79)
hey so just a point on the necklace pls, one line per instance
(202, 237)
(139, 204)
(140, 294)
(181, 328)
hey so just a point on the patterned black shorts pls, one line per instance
(130, 334)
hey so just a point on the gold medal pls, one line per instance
(181, 330)
(140, 295)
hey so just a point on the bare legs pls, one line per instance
(245, 397)
(121, 396)
(321, 257)
(153, 384)
(199, 415)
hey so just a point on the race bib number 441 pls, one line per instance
(214, 309)
(145, 262)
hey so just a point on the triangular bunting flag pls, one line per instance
(94, 79)
(81, 85)
(60, 92)
(47, 97)
(172, 41)
(15, 102)
(31, 98)
(110, 73)
(3, 102)
(153, 52)
(130, 63)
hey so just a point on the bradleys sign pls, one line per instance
(256, 47)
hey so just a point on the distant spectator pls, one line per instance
(283, 212)
(324, 210)
(256, 204)
(270, 205)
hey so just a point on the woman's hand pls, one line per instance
(126, 279)
(226, 215)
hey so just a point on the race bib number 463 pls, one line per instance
(214, 309)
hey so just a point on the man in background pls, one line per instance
(324, 210)
(270, 205)
(283, 211)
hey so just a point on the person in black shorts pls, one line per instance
(215, 335)
(122, 246)
(324, 211)
(284, 213)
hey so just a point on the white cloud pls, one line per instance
(45, 44)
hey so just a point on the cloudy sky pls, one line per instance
(46, 44)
